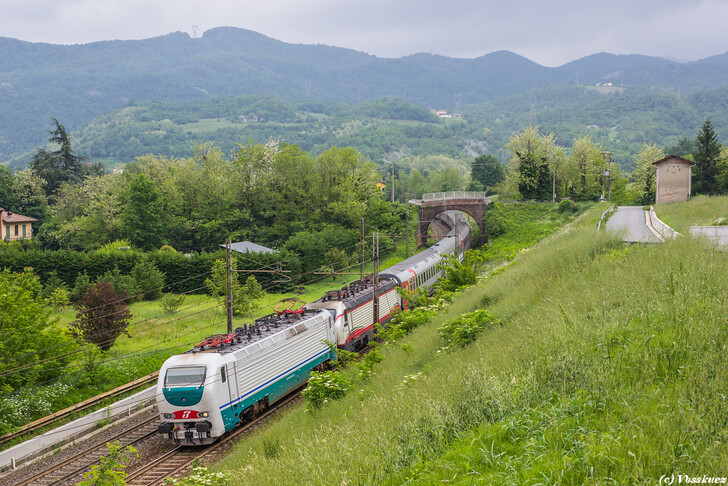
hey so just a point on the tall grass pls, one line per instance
(610, 367)
(699, 211)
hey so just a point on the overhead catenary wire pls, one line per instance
(81, 349)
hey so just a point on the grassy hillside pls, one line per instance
(699, 211)
(608, 368)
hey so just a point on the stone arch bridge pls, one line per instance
(471, 203)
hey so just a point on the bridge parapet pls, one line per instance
(438, 196)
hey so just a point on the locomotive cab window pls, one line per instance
(185, 376)
(223, 375)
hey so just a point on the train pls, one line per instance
(228, 379)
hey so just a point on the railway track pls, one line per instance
(177, 461)
(71, 470)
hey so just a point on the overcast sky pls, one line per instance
(548, 32)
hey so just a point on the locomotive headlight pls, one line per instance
(203, 414)
(169, 415)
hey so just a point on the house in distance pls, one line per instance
(15, 226)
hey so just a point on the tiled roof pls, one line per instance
(10, 217)
(674, 158)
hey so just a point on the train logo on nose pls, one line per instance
(186, 414)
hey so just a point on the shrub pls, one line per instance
(81, 287)
(115, 247)
(123, 284)
(495, 222)
(324, 386)
(53, 282)
(567, 206)
(149, 281)
(58, 299)
(365, 367)
(110, 470)
(463, 330)
(171, 302)
(245, 296)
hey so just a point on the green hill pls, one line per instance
(79, 83)
(386, 129)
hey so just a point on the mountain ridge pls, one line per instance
(77, 83)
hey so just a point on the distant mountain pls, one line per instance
(78, 83)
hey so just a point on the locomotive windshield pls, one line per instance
(185, 376)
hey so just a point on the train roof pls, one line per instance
(286, 323)
(358, 292)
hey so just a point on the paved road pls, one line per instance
(631, 220)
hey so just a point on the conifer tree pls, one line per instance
(707, 155)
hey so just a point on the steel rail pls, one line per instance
(43, 477)
(176, 460)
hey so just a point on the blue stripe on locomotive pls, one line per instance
(274, 388)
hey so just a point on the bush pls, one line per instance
(463, 330)
(495, 222)
(123, 284)
(58, 299)
(81, 287)
(567, 206)
(325, 386)
(115, 247)
(149, 281)
(171, 302)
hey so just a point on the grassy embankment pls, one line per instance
(609, 368)
(700, 211)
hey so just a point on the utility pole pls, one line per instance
(392, 181)
(609, 176)
(406, 231)
(361, 241)
(375, 276)
(606, 174)
(229, 285)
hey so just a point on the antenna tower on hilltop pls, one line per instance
(458, 101)
(194, 32)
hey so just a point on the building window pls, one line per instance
(16, 230)
(24, 234)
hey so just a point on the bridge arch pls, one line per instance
(471, 203)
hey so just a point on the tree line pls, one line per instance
(540, 169)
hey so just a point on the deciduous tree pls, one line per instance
(102, 315)
(644, 172)
(487, 170)
(31, 345)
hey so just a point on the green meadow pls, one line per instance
(700, 211)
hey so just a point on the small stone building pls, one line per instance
(673, 179)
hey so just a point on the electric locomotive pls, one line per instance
(208, 390)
